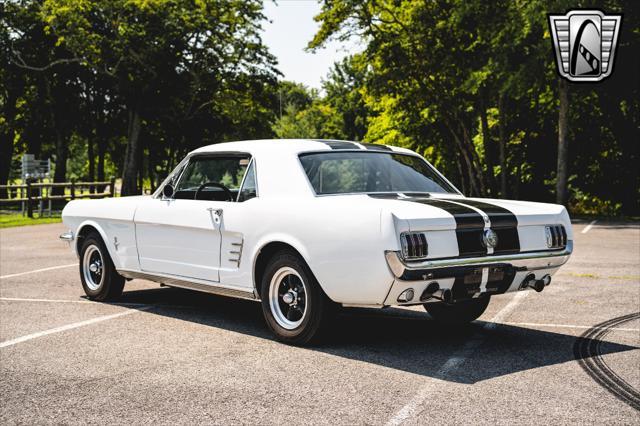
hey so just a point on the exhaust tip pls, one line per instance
(432, 287)
(537, 285)
(546, 280)
(429, 291)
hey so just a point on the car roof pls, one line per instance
(295, 146)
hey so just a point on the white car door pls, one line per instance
(178, 237)
(181, 235)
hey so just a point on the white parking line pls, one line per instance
(589, 226)
(22, 299)
(38, 270)
(17, 340)
(456, 359)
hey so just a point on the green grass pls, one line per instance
(16, 219)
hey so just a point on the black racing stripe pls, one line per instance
(335, 144)
(469, 226)
(499, 216)
(466, 218)
(503, 223)
(376, 147)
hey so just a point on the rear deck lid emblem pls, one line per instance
(489, 238)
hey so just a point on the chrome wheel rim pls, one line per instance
(93, 267)
(288, 298)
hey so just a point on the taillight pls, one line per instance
(556, 236)
(414, 245)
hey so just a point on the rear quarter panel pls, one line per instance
(341, 239)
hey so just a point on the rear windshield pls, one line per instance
(370, 172)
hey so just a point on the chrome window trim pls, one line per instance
(182, 166)
(337, 151)
(252, 162)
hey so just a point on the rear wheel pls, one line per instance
(100, 280)
(294, 306)
(458, 313)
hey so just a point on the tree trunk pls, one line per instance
(503, 147)
(14, 88)
(62, 151)
(563, 143)
(100, 166)
(463, 185)
(473, 187)
(140, 160)
(6, 154)
(130, 169)
(476, 169)
(489, 149)
(92, 161)
(62, 147)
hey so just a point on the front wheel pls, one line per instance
(459, 313)
(99, 277)
(294, 306)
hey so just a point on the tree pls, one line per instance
(473, 85)
(148, 46)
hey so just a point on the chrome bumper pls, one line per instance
(67, 236)
(528, 261)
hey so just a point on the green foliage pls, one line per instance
(319, 120)
(138, 82)
(16, 219)
(128, 87)
(463, 80)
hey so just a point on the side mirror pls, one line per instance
(167, 191)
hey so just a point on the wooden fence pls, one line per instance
(35, 192)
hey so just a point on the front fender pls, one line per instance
(92, 223)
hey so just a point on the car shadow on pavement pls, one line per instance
(394, 338)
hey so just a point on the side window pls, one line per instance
(212, 178)
(249, 187)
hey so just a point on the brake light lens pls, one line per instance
(414, 245)
(556, 236)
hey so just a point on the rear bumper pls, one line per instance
(425, 270)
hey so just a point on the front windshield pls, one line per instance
(369, 172)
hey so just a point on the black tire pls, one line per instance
(105, 285)
(462, 312)
(286, 269)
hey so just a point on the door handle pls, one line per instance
(216, 214)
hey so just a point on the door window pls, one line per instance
(212, 178)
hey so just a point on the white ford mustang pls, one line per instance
(305, 225)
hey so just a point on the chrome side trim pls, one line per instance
(529, 261)
(67, 236)
(189, 285)
(357, 305)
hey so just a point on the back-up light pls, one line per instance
(556, 236)
(414, 245)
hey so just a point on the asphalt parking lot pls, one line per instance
(167, 355)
